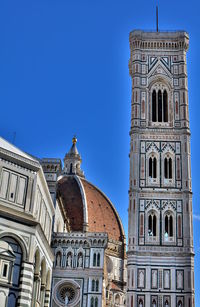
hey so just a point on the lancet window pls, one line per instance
(180, 304)
(168, 168)
(95, 285)
(168, 226)
(154, 303)
(159, 106)
(94, 302)
(141, 303)
(152, 225)
(96, 259)
(152, 167)
(166, 303)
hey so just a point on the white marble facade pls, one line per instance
(26, 217)
(160, 236)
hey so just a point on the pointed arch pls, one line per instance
(152, 224)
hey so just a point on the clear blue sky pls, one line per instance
(64, 71)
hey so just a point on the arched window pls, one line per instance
(92, 302)
(94, 259)
(168, 226)
(152, 227)
(165, 106)
(159, 106)
(154, 303)
(97, 285)
(154, 109)
(71, 168)
(166, 303)
(140, 303)
(152, 167)
(93, 285)
(98, 259)
(180, 304)
(168, 168)
(96, 302)
(171, 226)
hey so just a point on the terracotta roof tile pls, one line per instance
(101, 215)
(69, 191)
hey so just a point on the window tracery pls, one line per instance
(159, 105)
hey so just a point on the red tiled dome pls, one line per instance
(86, 207)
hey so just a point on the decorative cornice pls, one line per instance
(177, 40)
(15, 158)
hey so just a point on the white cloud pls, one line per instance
(196, 217)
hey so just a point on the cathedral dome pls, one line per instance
(86, 207)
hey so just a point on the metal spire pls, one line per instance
(157, 18)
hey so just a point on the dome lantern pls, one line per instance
(72, 161)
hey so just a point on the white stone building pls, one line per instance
(82, 262)
(88, 241)
(160, 258)
(26, 214)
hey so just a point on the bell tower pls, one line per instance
(160, 232)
